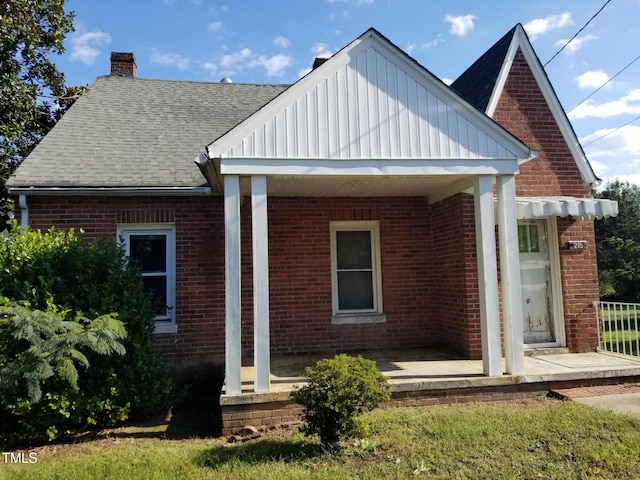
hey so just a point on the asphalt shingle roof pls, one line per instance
(134, 132)
(476, 83)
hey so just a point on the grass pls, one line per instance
(539, 438)
(620, 329)
(622, 341)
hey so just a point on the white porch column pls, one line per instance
(233, 354)
(487, 276)
(260, 233)
(510, 275)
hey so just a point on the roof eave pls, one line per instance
(111, 191)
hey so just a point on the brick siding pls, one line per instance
(429, 273)
(523, 110)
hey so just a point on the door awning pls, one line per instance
(544, 207)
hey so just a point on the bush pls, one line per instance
(339, 390)
(38, 353)
(58, 270)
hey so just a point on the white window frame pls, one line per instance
(164, 323)
(374, 315)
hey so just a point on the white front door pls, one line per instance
(537, 284)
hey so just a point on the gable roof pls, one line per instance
(477, 83)
(138, 133)
(369, 101)
(482, 84)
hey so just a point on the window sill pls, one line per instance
(165, 328)
(358, 319)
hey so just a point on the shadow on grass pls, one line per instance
(264, 451)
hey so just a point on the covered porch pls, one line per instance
(430, 377)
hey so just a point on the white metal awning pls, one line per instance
(545, 207)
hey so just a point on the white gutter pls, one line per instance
(208, 169)
(123, 191)
(24, 210)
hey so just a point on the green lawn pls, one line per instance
(540, 438)
(622, 341)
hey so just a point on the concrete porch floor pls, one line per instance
(431, 370)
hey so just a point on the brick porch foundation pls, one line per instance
(281, 409)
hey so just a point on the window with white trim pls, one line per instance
(152, 247)
(355, 272)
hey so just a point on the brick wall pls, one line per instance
(523, 111)
(456, 298)
(300, 276)
(199, 258)
(579, 284)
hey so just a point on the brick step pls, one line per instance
(596, 391)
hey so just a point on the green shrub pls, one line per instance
(339, 390)
(38, 374)
(58, 270)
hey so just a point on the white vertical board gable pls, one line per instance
(369, 101)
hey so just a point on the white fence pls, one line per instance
(618, 327)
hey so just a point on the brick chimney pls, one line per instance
(123, 64)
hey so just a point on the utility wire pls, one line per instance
(573, 38)
(611, 131)
(604, 84)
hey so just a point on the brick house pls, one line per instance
(367, 206)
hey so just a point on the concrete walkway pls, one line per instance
(622, 398)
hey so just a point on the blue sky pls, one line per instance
(255, 41)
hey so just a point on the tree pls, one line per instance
(618, 244)
(33, 95)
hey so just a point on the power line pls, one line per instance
(604, 84)
(578, 33)
(612, 131)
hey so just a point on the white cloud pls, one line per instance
(168, 59)
(432, 43)
(303, 72)
(215, 26)
(629, 104)
(275, 65)
(575, 44)
(598, 167)
(447, 81)
(617, 144)
(410, 48)
(617, 153)
(625, 177)
(85, 46)
(235, 62)
(460, 25)
(592, 79)
(321, 50)
(281, 42)
(540, 26)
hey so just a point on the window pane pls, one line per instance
(158, 287)
(149, 251)
(523, 244)
(533, 237)
(354, 250)
(355, 290)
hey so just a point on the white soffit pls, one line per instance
(529, 208)
(521, 42)
(369, 101)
